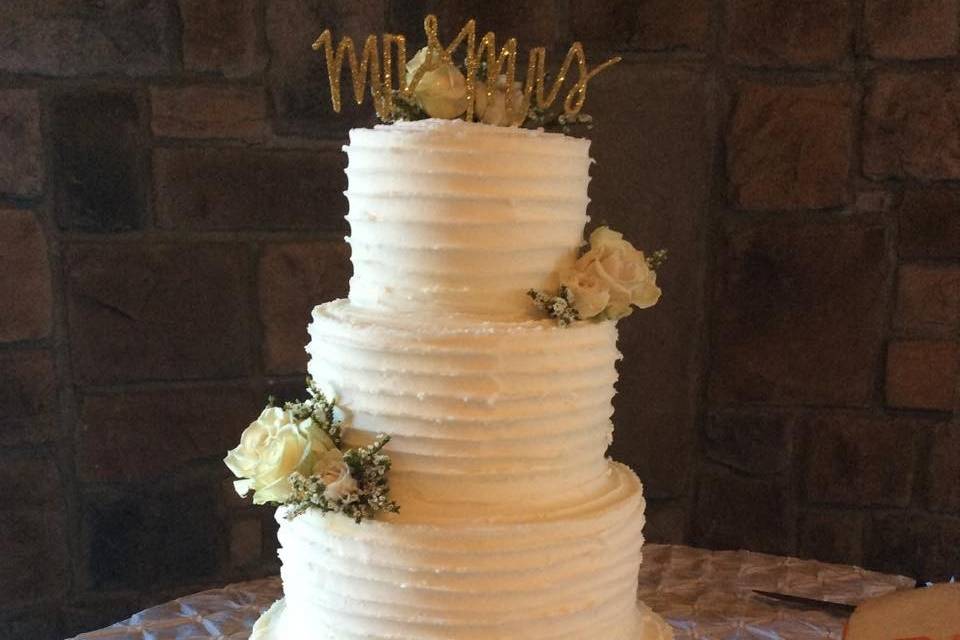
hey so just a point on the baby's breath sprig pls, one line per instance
(657, 258)
(559, 306)
(320, 409)
(368, 466)
(554, 120)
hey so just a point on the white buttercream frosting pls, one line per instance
(456, 216)
(513, 523)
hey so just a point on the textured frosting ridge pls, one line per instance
(462, 217)
(513, 523)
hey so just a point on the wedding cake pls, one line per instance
(447, 478)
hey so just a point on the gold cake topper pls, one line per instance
(500, 67)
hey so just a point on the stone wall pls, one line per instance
(170, 209)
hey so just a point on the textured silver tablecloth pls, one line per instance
(702, 594)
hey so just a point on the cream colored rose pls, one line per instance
(442, 92)
(335, 473)
(589, 294)
(273, 447)
(493, 109)
(615, 265)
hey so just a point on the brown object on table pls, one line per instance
(932, 613)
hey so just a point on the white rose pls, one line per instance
(335, 474)
(590, 295)
(442, 92)
(493, 109)
(273, 447)
(622, 269)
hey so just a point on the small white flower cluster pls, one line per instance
(292, 455)
(606, 282)
(442, 93)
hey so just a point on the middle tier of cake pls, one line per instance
(503, 419)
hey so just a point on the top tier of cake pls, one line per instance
(456, 217)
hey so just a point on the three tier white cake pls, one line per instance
(513, 524)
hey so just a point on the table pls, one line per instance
(702, 594)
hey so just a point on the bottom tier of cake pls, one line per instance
(568, 577)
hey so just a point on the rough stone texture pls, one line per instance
(157, 311)
(31, 479)
(246, 541)
(27, 396)
(911, 127)
(757, 444)
(611, 25)
(773, 33)
(780, 335)
(33, 565)
(293, 278)
(667, 522)
(922, 374)
(831, 536)
(298, 76)
(928, 300)
(210, 188)
(97, 162)
(650, 182)
(210, 112)
(532, 22)
(733, 512)
(221, 36)
(152, 539)
(25, 286)
(663, 25)
(914, 545)
(788, 147)
(860, 460)
(943, 486)
(123, 37)
(21, 171)
(912, 30)
(138, 436)
(929, 223)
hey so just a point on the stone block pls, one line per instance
(753, 443)
(922, 374)
(246, 542)
(910, 127)
(667, 522)
(151, 539)
(860, 460)
(775, 33)
(929, 223)
(735, 512)
(25, 285)
(221, 189)
(831, 536)
(27, 396)
(21, 171)
(34, 623)
(943, 486)
(32, 481)
(98, 163)
(33, 565)
(788, 147)
(665, 25)
(800, 314)
(912, 544)
(651, 182)
(210, 112)
(911, 30)
(221, 36)
(143, 435)
(117, 37)
(293, 278)
(157, 311)
(298, 75)
(928, 300)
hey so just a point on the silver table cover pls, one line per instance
(702, 594)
